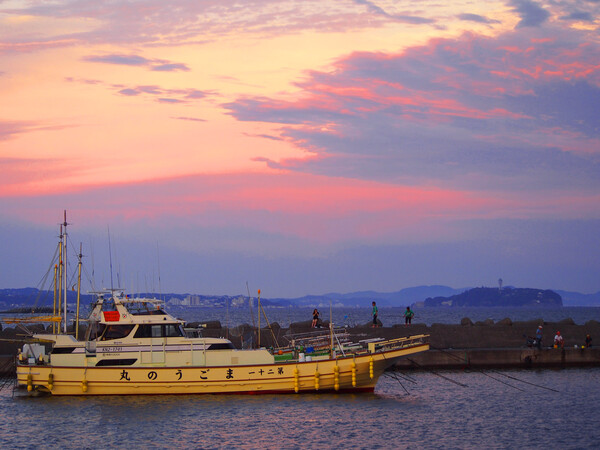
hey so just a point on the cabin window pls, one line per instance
(221, 346)
(115, 332)
(115, 362)
(173, 330)
(158, 331)
(148, 312)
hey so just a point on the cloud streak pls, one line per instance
(158, 65)
(469, 113)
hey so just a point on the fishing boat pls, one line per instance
(133, 346)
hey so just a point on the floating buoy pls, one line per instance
(51, 381)
(84, 385)
(353, 367)
(296, 384)
(371, 367)
(317, 375)
(29, 382)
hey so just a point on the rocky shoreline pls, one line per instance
(453, 346)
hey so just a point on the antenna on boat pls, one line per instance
(80, 255)
(64, 237)
(251, 304)
(158, 261)
(110, 259)
(331, 327)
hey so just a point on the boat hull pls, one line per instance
(354, 373)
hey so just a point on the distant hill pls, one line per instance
(578, 299)
(419, 295)
(404, 297)
(34, 297)
(494, 297)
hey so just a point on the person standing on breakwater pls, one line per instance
(588, 341)
(538, 337)
(559, 342)
(408, 315)
(375, 311)
(315, 320)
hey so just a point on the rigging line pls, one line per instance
(495, 371)
(158, 262)
(526, 382)
(438, 374)
(42, 283)
(407, 378)
(391, 375)
(110, 260)
(500, 381)
(394, 373)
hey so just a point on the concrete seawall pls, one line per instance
(526, 358)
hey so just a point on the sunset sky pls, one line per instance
(304, 146)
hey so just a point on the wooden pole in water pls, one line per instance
(54, 302)
(78, 294)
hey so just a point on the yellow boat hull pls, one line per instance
(351, 373)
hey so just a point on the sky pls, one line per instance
(302, 147)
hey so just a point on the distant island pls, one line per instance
(418, 296)
(498, 297)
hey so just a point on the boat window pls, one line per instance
(223, 346)
(173, 330)
(62, 350)
(115, 362)
(116, 332)
(158, 331)
(147, 312)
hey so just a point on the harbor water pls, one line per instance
(489, 409)
(388, 315)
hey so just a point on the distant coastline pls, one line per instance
(413, 296)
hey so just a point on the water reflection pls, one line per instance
(435, 413)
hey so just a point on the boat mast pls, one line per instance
(60, 277)
(259, 318)
(54, 302)
(331, 328)
(64, 236)
(78, 293)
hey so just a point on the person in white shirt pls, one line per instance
(558, 340)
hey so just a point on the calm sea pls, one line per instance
(489, 410)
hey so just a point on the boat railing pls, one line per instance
(391, 344)
(317, 334)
